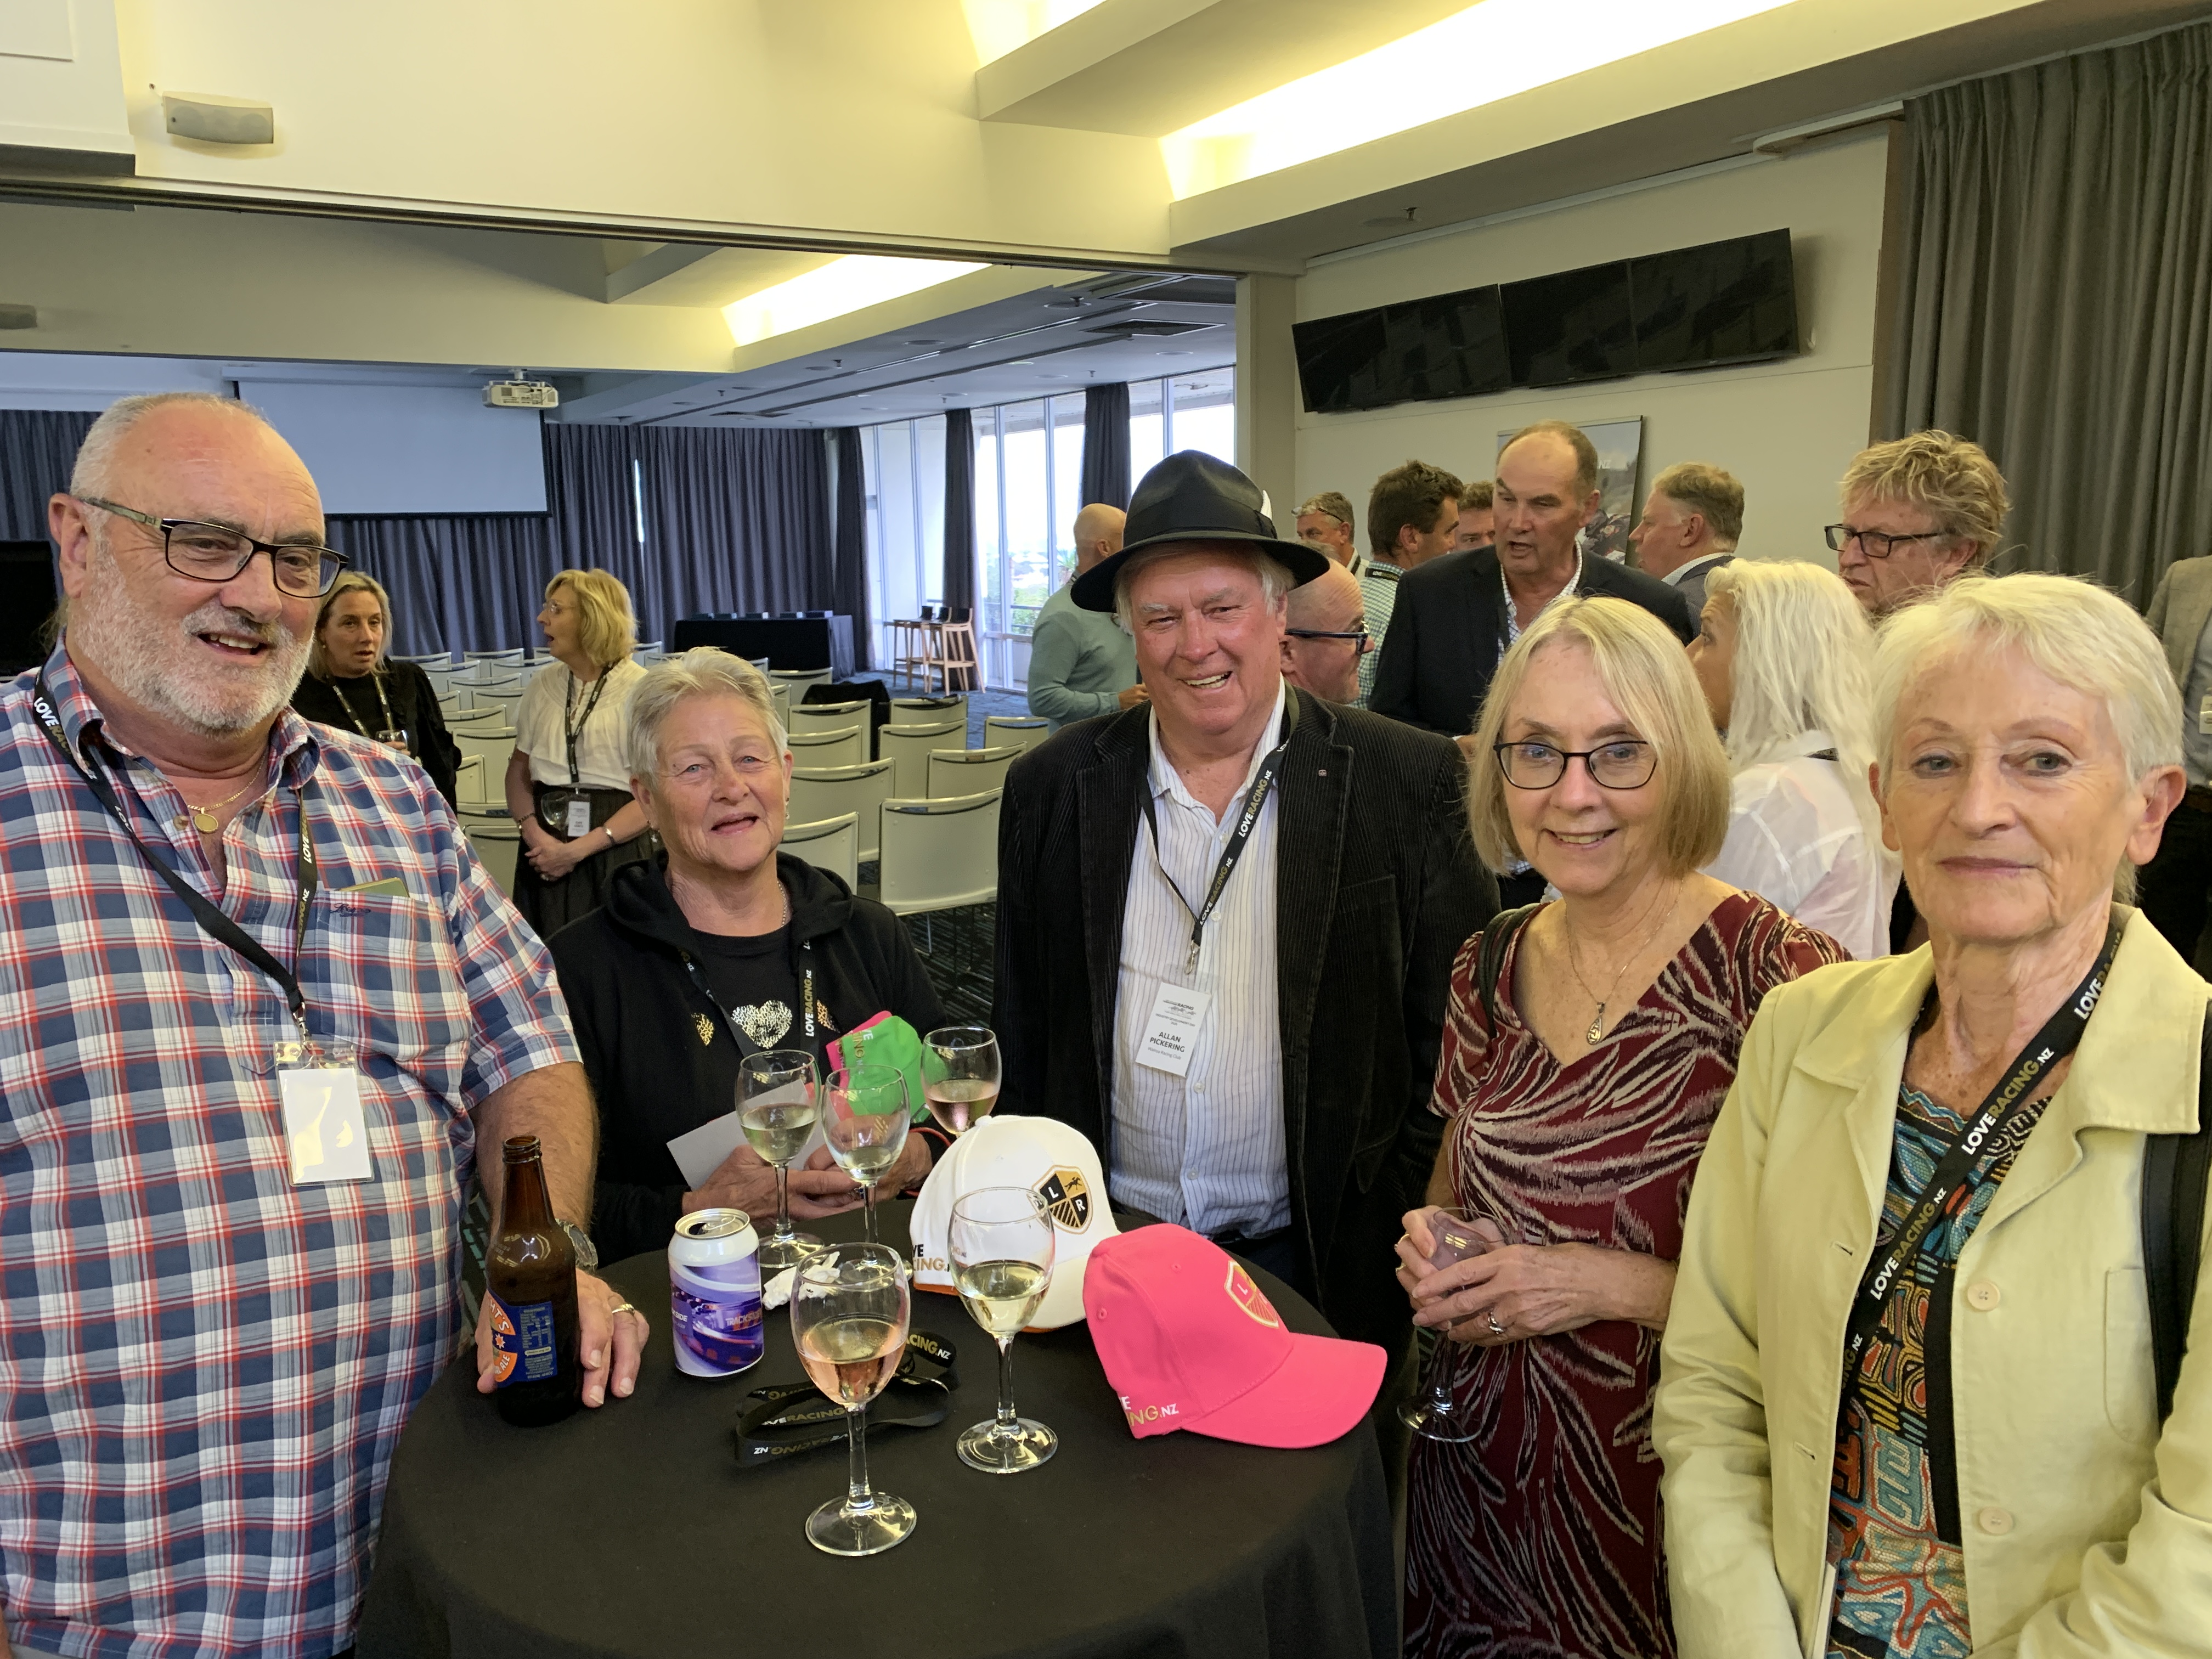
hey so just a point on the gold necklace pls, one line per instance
(1597, 1020)
(204, 819)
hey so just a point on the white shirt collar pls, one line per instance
(1681, 573)
(1166, 781)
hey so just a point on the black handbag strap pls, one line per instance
(1490, 959)
(2175, 1171)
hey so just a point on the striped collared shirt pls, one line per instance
(1207, 1149)
(204, 1369)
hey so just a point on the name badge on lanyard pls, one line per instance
(325, 1138)
(1171, 1029)
(580, 818)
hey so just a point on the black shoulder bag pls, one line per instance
(2174, 1172)
(1490, 956)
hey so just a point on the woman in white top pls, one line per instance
(1782, 654)
(568, 785)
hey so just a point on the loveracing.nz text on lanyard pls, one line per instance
(324, 1136)
(1977, 1141)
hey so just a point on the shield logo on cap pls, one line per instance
(1250, 1299)
(1066, 1195)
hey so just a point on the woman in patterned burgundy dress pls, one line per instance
(1580, 1096)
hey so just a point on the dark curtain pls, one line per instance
(591, 500)
(457, 584)
(959, 510)
(2054, 300)
(1106, 444)
(848, 587)
(734, 521)
(38, 449)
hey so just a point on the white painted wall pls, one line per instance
(1786, 430)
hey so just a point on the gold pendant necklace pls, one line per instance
(204, 819)
(1596, 1031)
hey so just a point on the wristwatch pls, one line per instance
(588, 1255)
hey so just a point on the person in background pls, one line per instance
(1082, 664)
(351, 684)
(1325, 637)
(1326, 521)
(1412, 514)
(210, 1354)
(1782, 657)
(1919, 513)
(694, 962)
(1991, 1473)
(1477, 519)
(567, 782)
(1295, 1124)
(2175, 886)
(1691, 521)
(1578, 1093)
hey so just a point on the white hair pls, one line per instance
(704, 671)
(1275, 578)
(96, 456)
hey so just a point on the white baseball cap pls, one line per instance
(1052, 1160)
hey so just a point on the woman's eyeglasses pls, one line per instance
(1624, 764)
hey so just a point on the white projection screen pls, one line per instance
(407, 449)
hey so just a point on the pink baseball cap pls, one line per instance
(1189, 1342)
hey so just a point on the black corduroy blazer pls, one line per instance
(1377, 887)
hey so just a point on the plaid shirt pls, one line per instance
(204, 1369)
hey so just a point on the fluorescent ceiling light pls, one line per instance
(998, 27)
(1476, 56)
(843, 285)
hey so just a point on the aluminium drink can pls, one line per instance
(714, 1293)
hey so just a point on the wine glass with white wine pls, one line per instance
(779, 1103)
(1002, 1253)
(960, 1075)
(850, 1305)
(864, 1120)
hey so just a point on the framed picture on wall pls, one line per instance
(1620, 453)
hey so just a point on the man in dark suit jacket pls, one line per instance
(1452, 622)
(1373, 888)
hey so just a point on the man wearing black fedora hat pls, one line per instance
(1227, 920)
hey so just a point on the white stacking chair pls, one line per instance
(506, 696)
(498, 846)
(475, 717)
(940, 855)
(832, 844)
(1022, 730)
(780, 696)
(800, 678)
(847, 746)
(909, 745)
(928, 711)
(494, 748)
(760, 663)
(647, 653)
(468, 785)
(954, 773)
(425, 659)
(440, 675)
(514, 655)
(824, 792)
(835, 717)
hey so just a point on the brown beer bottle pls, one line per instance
(530, 1275)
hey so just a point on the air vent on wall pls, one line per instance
(1139, 328)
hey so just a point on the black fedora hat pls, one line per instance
(1192, 496)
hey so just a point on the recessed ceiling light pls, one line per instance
(1171, 353)
(1025, 362)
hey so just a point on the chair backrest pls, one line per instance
(910, 746)
(760, 663)
(497, 843)
(835, 717)
(968, 771)
(469, 783)
(512, 655)
(1022, 730)
(476, 717)
(848, 746)
(939, 855)
(801, 678)
(781, 696)
(429, 658)
(928, 711)
(824, 791)
(494, 748)
(828, 844)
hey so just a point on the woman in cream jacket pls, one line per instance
(1989, 1476)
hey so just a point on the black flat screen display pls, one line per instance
(1340, 360)
(1449, 345)
(1573, 326)
(1725, 302)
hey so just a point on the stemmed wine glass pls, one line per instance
(865, 1126)
(778, 1104)
(849, 1309)
(1002, 1253)
(960, 1076)
(1455, 1234)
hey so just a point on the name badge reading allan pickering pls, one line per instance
(1171, 1029)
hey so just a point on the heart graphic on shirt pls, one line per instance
(765, 1023)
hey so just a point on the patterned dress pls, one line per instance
(1541, 1536)
(1893, 1531)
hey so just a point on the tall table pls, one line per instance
(631, 1530)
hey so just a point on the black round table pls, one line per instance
(632, 1530)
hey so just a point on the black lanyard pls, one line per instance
(1975, 1140)
(1225, 867)
(745, 1044)
(383, 701)
(212, 920)
(568, 712)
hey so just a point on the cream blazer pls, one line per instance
(2087, 1530)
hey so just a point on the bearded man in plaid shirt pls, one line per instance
(204, 1366)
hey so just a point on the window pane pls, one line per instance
(1145, 452)
(1205, 412)
(1029, 528)
(929, 504)
(1067, 492)
(897, 597)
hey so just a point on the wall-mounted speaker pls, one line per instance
(213, 119)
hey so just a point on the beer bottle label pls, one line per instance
(523, 1349)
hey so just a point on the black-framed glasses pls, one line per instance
(217, 553)
(1366, 640)
(1876, 543)
(1624, 764)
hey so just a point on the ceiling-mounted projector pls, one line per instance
(518, 393)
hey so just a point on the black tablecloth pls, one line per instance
(786, 641)
(632, 1530)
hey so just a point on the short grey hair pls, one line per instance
(704, 671)
(96, 456)
(1275, 578)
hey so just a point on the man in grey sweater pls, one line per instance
(1081, 663)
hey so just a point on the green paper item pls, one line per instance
(886, 1040)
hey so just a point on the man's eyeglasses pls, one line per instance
(1876, 543)
(217, 553)
(1624, 764)
(1366, 640)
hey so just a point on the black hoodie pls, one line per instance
(637, 1015)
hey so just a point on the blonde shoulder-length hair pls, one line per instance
(350, 581)
(1645, 670)
(606, 627)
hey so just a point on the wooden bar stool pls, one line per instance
(954, 652)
